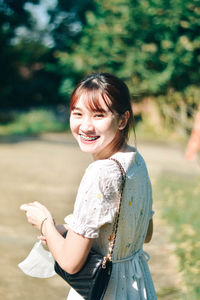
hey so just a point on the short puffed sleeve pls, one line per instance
(97, 198)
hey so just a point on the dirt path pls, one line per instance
(49, 170)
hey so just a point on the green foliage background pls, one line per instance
(153, 45)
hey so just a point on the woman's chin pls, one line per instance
(86, 148)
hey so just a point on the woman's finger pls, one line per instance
(43, 239)
(24, 207)
(37, 204)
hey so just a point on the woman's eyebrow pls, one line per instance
(99, 110)
(95, 110)
(76, 108)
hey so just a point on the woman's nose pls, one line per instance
(87, 125)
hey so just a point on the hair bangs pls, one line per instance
(92, 99)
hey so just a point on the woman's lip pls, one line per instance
(89, 138)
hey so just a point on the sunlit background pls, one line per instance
(46, 47)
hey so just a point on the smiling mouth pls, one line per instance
(89, 138)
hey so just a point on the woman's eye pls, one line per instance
(77, 114)
(99, 115)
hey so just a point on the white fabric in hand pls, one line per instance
(39, 263)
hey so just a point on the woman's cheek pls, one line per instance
(105, 125)
(73, 124)
(110, 126)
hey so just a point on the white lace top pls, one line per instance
(93, 215)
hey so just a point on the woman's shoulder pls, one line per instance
(132, 161)
(107, 166)
(101, 171)
(102, 174)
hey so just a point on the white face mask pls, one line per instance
(39, 263)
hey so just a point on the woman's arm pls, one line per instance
(70, 252)
(149, 232)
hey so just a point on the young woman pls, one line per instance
(100, 120)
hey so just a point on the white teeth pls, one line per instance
(86, 138)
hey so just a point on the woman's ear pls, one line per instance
(123, 120)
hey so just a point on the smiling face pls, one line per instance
(94, 129)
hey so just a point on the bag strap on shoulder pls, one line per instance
(113, 235)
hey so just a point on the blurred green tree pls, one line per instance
(26, 74)
(153, 45)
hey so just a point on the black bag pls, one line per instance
(92, 280)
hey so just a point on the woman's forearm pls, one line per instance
(70, 252)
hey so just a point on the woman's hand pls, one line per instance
(43, 239)
(36, 213)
